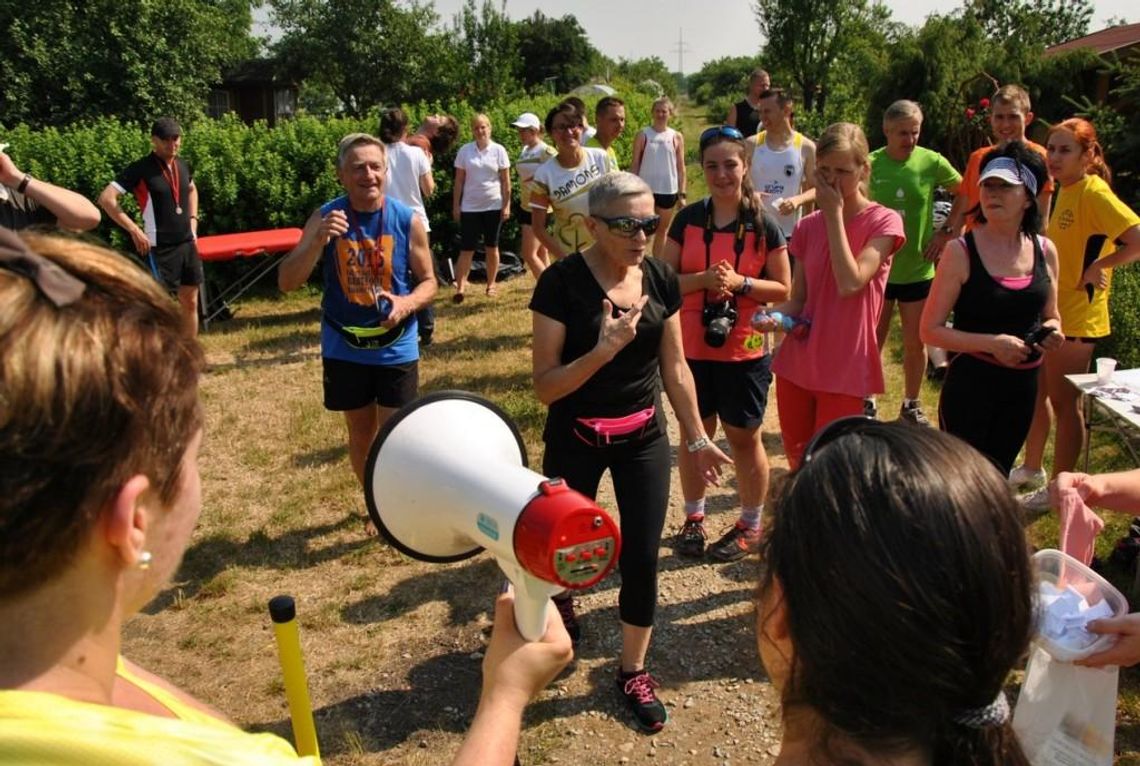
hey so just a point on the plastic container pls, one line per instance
(1062, 570)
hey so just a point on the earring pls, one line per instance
(144, 560)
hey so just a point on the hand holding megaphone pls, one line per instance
(447, 477)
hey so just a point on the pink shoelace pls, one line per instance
(641, 688)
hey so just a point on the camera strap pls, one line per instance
(737, 243)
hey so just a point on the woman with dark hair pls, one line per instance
(897, 650)
(607, 339)
(731, 259)
(1000, 280)
(1094, 232)
(563, 182)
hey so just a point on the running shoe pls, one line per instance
(637, 687)
(738, 542)
(1023, 476)
(691, 539)
(870, 408)
(912, 414)
(1037, 501)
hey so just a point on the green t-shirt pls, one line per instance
(593, 143)
(908, 187)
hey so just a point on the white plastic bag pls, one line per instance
(1066, 714)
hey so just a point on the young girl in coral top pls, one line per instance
(842, 257)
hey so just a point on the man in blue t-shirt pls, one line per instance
(377, 273)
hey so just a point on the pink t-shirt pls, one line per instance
(839, 353)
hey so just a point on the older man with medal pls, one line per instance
(163, 186)
(377, 273)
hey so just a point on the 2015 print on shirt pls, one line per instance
(364, 267)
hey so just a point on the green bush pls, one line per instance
(255, 177)
(1124, 344)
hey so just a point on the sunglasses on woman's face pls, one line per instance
(836, 430)
(719, 131)
(628, 226)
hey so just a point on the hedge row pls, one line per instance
(256, 177)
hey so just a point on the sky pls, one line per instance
(640, 28)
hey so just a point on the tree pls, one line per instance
(555, 51)
(726, 77)
(1033, 23)
(65, 61)
(653, 68)
(367, 52)
(488, 42)
(809, 36)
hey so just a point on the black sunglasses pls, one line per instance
(628, 226)
(719, 131)
(837, 429)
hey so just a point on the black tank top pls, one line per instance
(747, 118)
(986, 306)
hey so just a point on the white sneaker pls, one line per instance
(1023, 476)
(1037, 500)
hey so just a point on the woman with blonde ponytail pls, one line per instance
(1094, 233)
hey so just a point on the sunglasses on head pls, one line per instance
(628, 226)
(837, 429)
(719, 131)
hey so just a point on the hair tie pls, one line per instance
(58, 286)
(994, 714)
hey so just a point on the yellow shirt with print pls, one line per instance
(1085, 223)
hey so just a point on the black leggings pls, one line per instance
(640, 474)
(988, 406)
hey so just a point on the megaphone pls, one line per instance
(447, 477)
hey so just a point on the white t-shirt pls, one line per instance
(566, 190)
(529, 159)
(406, 165)
(778, 175)
(481, 188)
(659, 161)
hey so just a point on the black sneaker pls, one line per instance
(648, 711)
(737, 543)
(565, 607)
(691, 539)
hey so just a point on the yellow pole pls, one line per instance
(283, 612)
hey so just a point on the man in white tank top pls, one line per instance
(783, 162)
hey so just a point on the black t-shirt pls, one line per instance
(146, 179)
(747, 118)
(19, 212)
(568, 293)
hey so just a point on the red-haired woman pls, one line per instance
(1094, 233)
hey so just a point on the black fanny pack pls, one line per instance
(369, 337)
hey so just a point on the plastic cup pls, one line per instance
(1105, 366)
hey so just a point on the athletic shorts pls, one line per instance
(665, 201)
(175, 266)
(351, 385)
(523, 217)
(911, 292)
(736, 392)
(472, 225)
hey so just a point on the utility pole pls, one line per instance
(680, 49)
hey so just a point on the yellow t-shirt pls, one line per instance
(50, 730)
(1084, 225)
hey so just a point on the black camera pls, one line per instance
(718, 319)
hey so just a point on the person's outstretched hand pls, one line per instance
(514, 669)
(1126, 650)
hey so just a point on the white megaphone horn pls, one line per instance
(447, 477)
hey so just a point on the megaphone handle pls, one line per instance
(532, 596)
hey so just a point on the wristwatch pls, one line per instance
(696, 445)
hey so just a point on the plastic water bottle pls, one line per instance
(793, 325)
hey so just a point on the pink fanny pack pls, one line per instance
(603, 431)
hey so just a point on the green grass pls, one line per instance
(282, 513)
